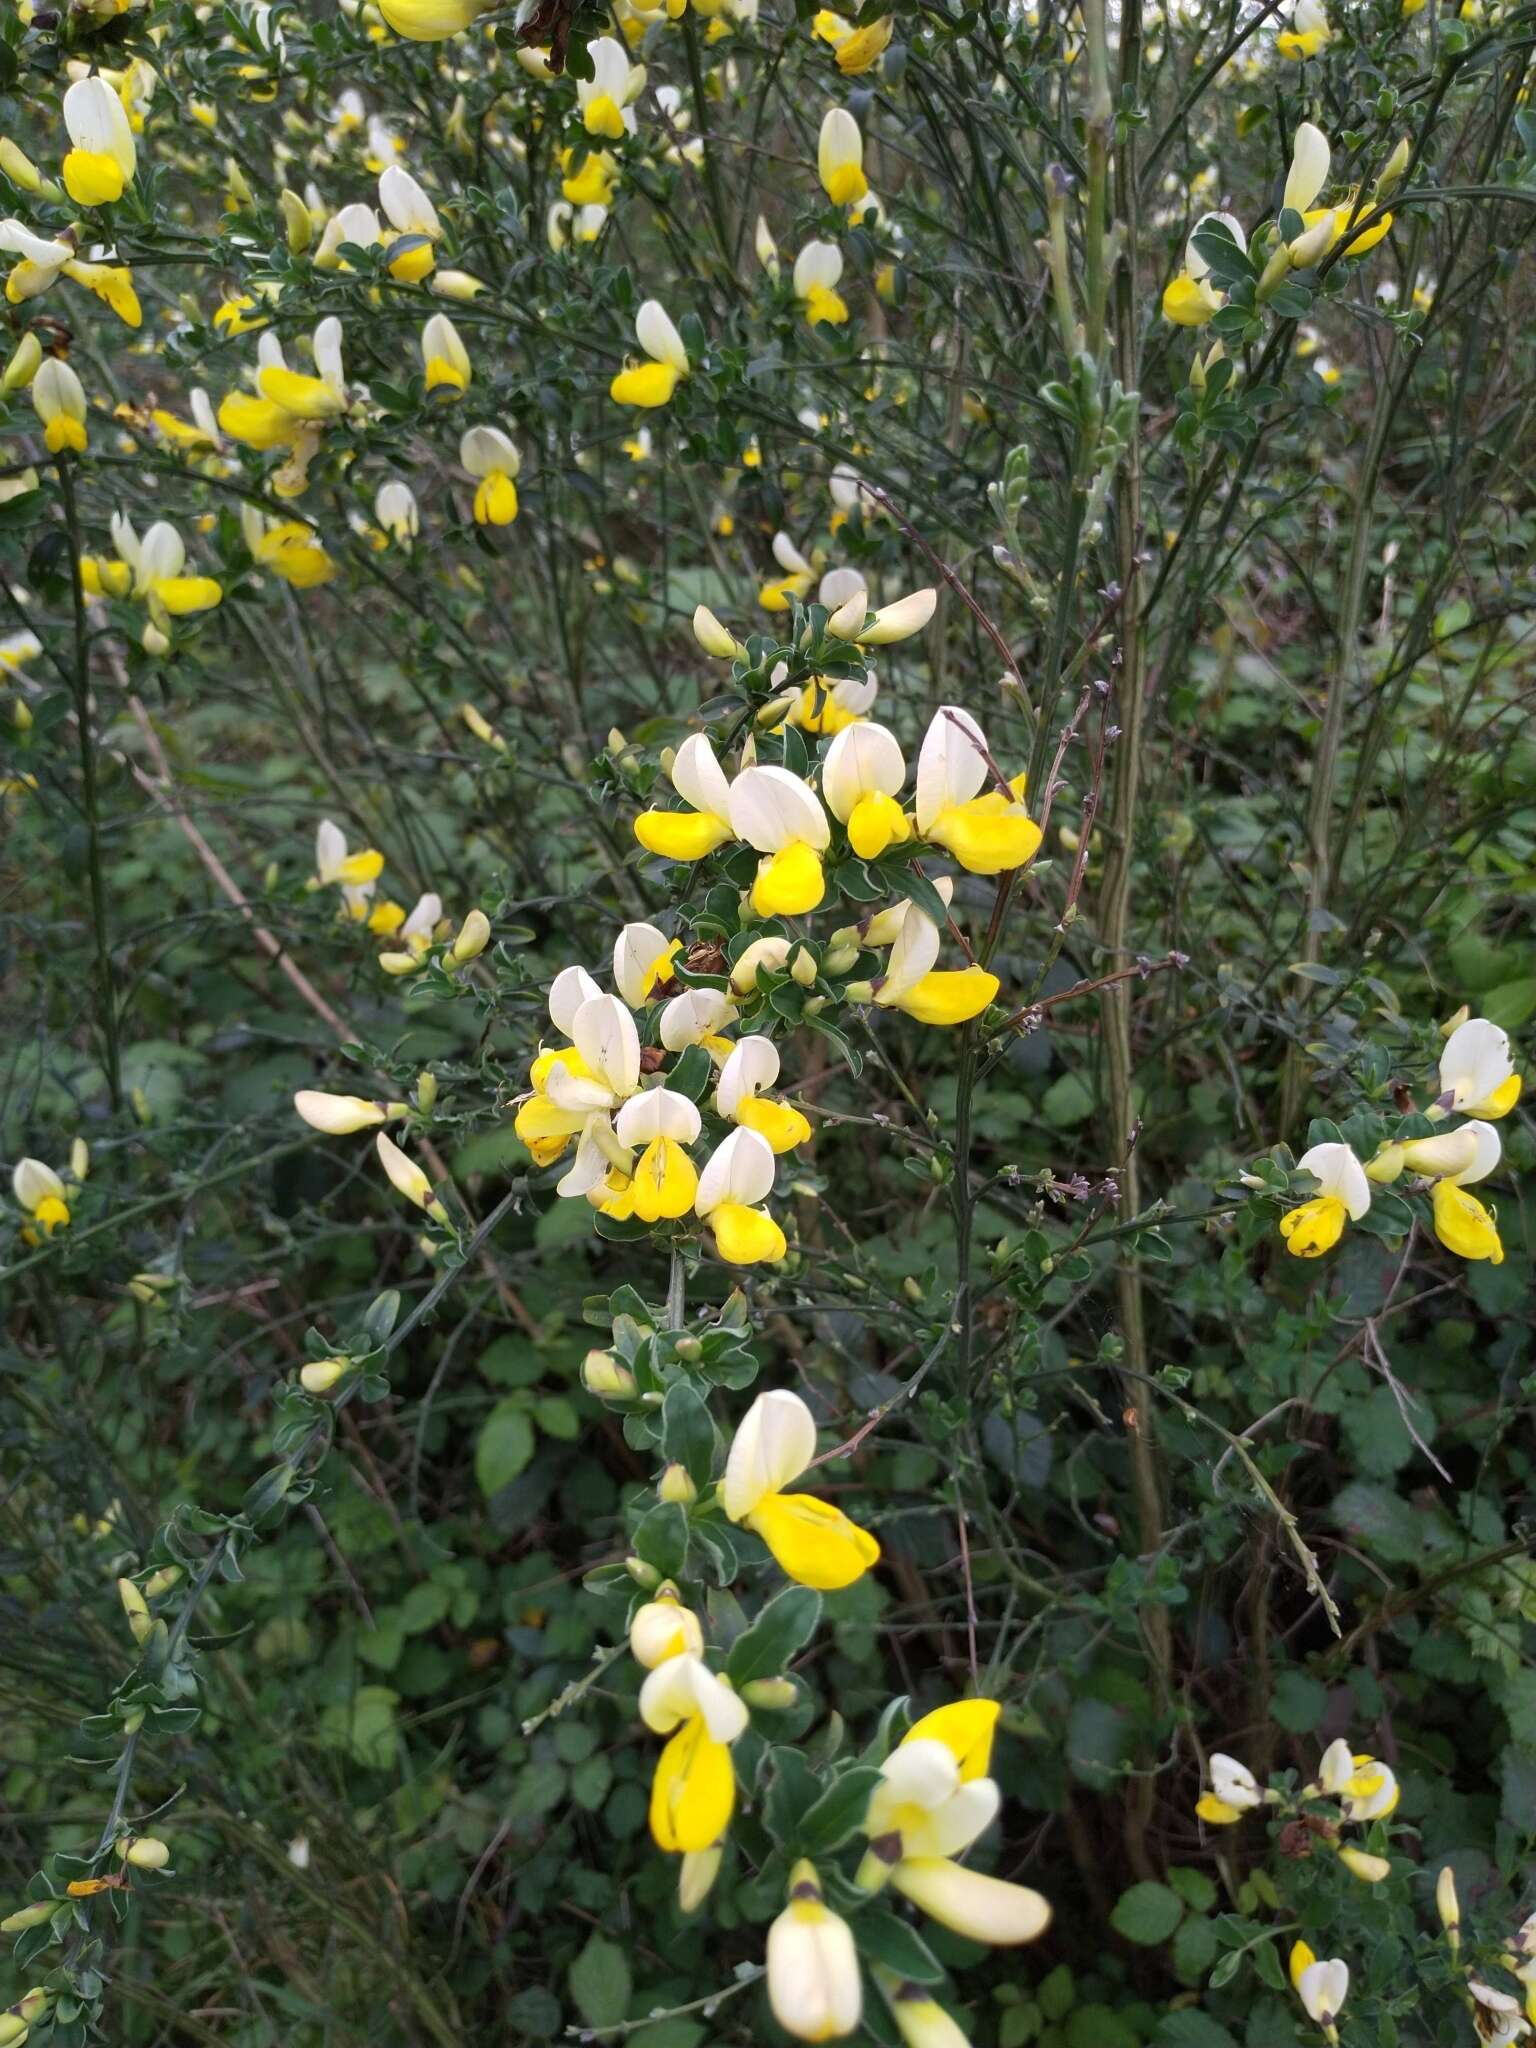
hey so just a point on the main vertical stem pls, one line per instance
(1322, 856)
(1115, 902)
(107, 990)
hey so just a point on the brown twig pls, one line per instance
(1140, 970)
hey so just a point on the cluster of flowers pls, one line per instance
(1362, 1788)
(414, 931)
(933, 1802)
(1477, 1081)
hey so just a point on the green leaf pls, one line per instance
(885, 1939)
(364, 1726)
(1511, 1004)
(1147, 1914)
(1298, 1702)
(1193, 1886)
(839, 1813)
(661, 1538)
(692, 1074)
(687, 1434)
(600, 1982)
(504, 1446)
(785, 1625)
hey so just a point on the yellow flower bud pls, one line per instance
(80, 1159)
(426, 1090)
(773, 1695)
(1448, 1906)
(643, 1574)
(162, 1581)
(676, 1487)
(713, 637)
(23, 365)
(400, 964)
(13, 2030)
(139, 1621)
(144, 1852)
(603, 1375)
(297, 221)
(28, 1916)
(697, 1877)
(802, 968)
(474, 936)
(1369, 1869)
(321, 1374)
(19, 167)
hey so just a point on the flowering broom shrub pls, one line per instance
(769, 798)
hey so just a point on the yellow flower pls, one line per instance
(1315, 1226)
(988, 834)
(40, 1195)
(490, 457)
(775, 812)
(817, 274)
(1191, 299)
(664, 1181)
(444, 357)
(652, 383)
(58, 399)
(861, 780)
(752, 1066)
(700, 781)
(813, 1542)
(857, 49)
(693, 1794)
(737, 1179)
(1308, 33)
(100, 166)
(839, 159)
(1477, 1076)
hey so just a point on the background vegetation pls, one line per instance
(1157, 1487)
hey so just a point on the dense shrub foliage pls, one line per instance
(768, 797)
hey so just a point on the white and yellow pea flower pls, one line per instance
(1322, 1987)
(445, 359)
(652, 383)
(840, 157)
(857, 50)
(606, 99)
(861, 780)
(410, 212)
(813, 1542)
(698, 1016)
(58, 399)
(1477, 1075)
(934, 1798)
(1308, 33)
(736, 1181)
(693, 1794)
(700, 781)
(662, 1123)
(1191, 299)
(396, 512)
(492, 459)
(642, 963)
(814, 1986)
(1365, 1788)
(913, 983)
(1343, 1195)
(42, 1198)
(664, 1628)
(818, 272)
(1232, 1792)
(355, 874)
(753, 1066)
(989, 833)
(777, 814)
(103, 157)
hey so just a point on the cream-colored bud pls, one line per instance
(458, 285)
(603, 1375)
(802, 967)
(838, 958)
(144, 1852)
(696, 1879)
(19, 167)
(1447, 1905)
(1311, 247)
(426, 1090)
(28, 1916)
(321, 1374)
(664, 1628)
(23, 365)
(474, 936)
(401, 964)
(235, 183)
(296, 221)
(34, 2004)
(139, 1621)
(712, 636)
(1455, 1021)
(337, 1115)
(479, 725)
(643, 1574)
(675, 1487)
(80, 1159)
(21, 715)
(162, 1581)
(1369, 1869)
(776, 710)
(1392, 170)
(1276, 271)
(762, 956)
(13, 2030)
(772, 1695)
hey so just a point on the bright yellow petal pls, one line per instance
(1189, 303)
(814, 1543)
(1463, 1225)
(680, 835)
(876, 822)
(360, 868)
(966, 1729)
(304, 398)
(182, 595)
(91, 178)
(1314, 1227)
(255, 422)
(1216, 1811)
(1500, 1102)
(789, 881)
(665, 1183)
(694, 1791)
(950, 995)
(782, 1126)
(496, 500)
(986, 838)
(746, 1237)
(644, 384)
